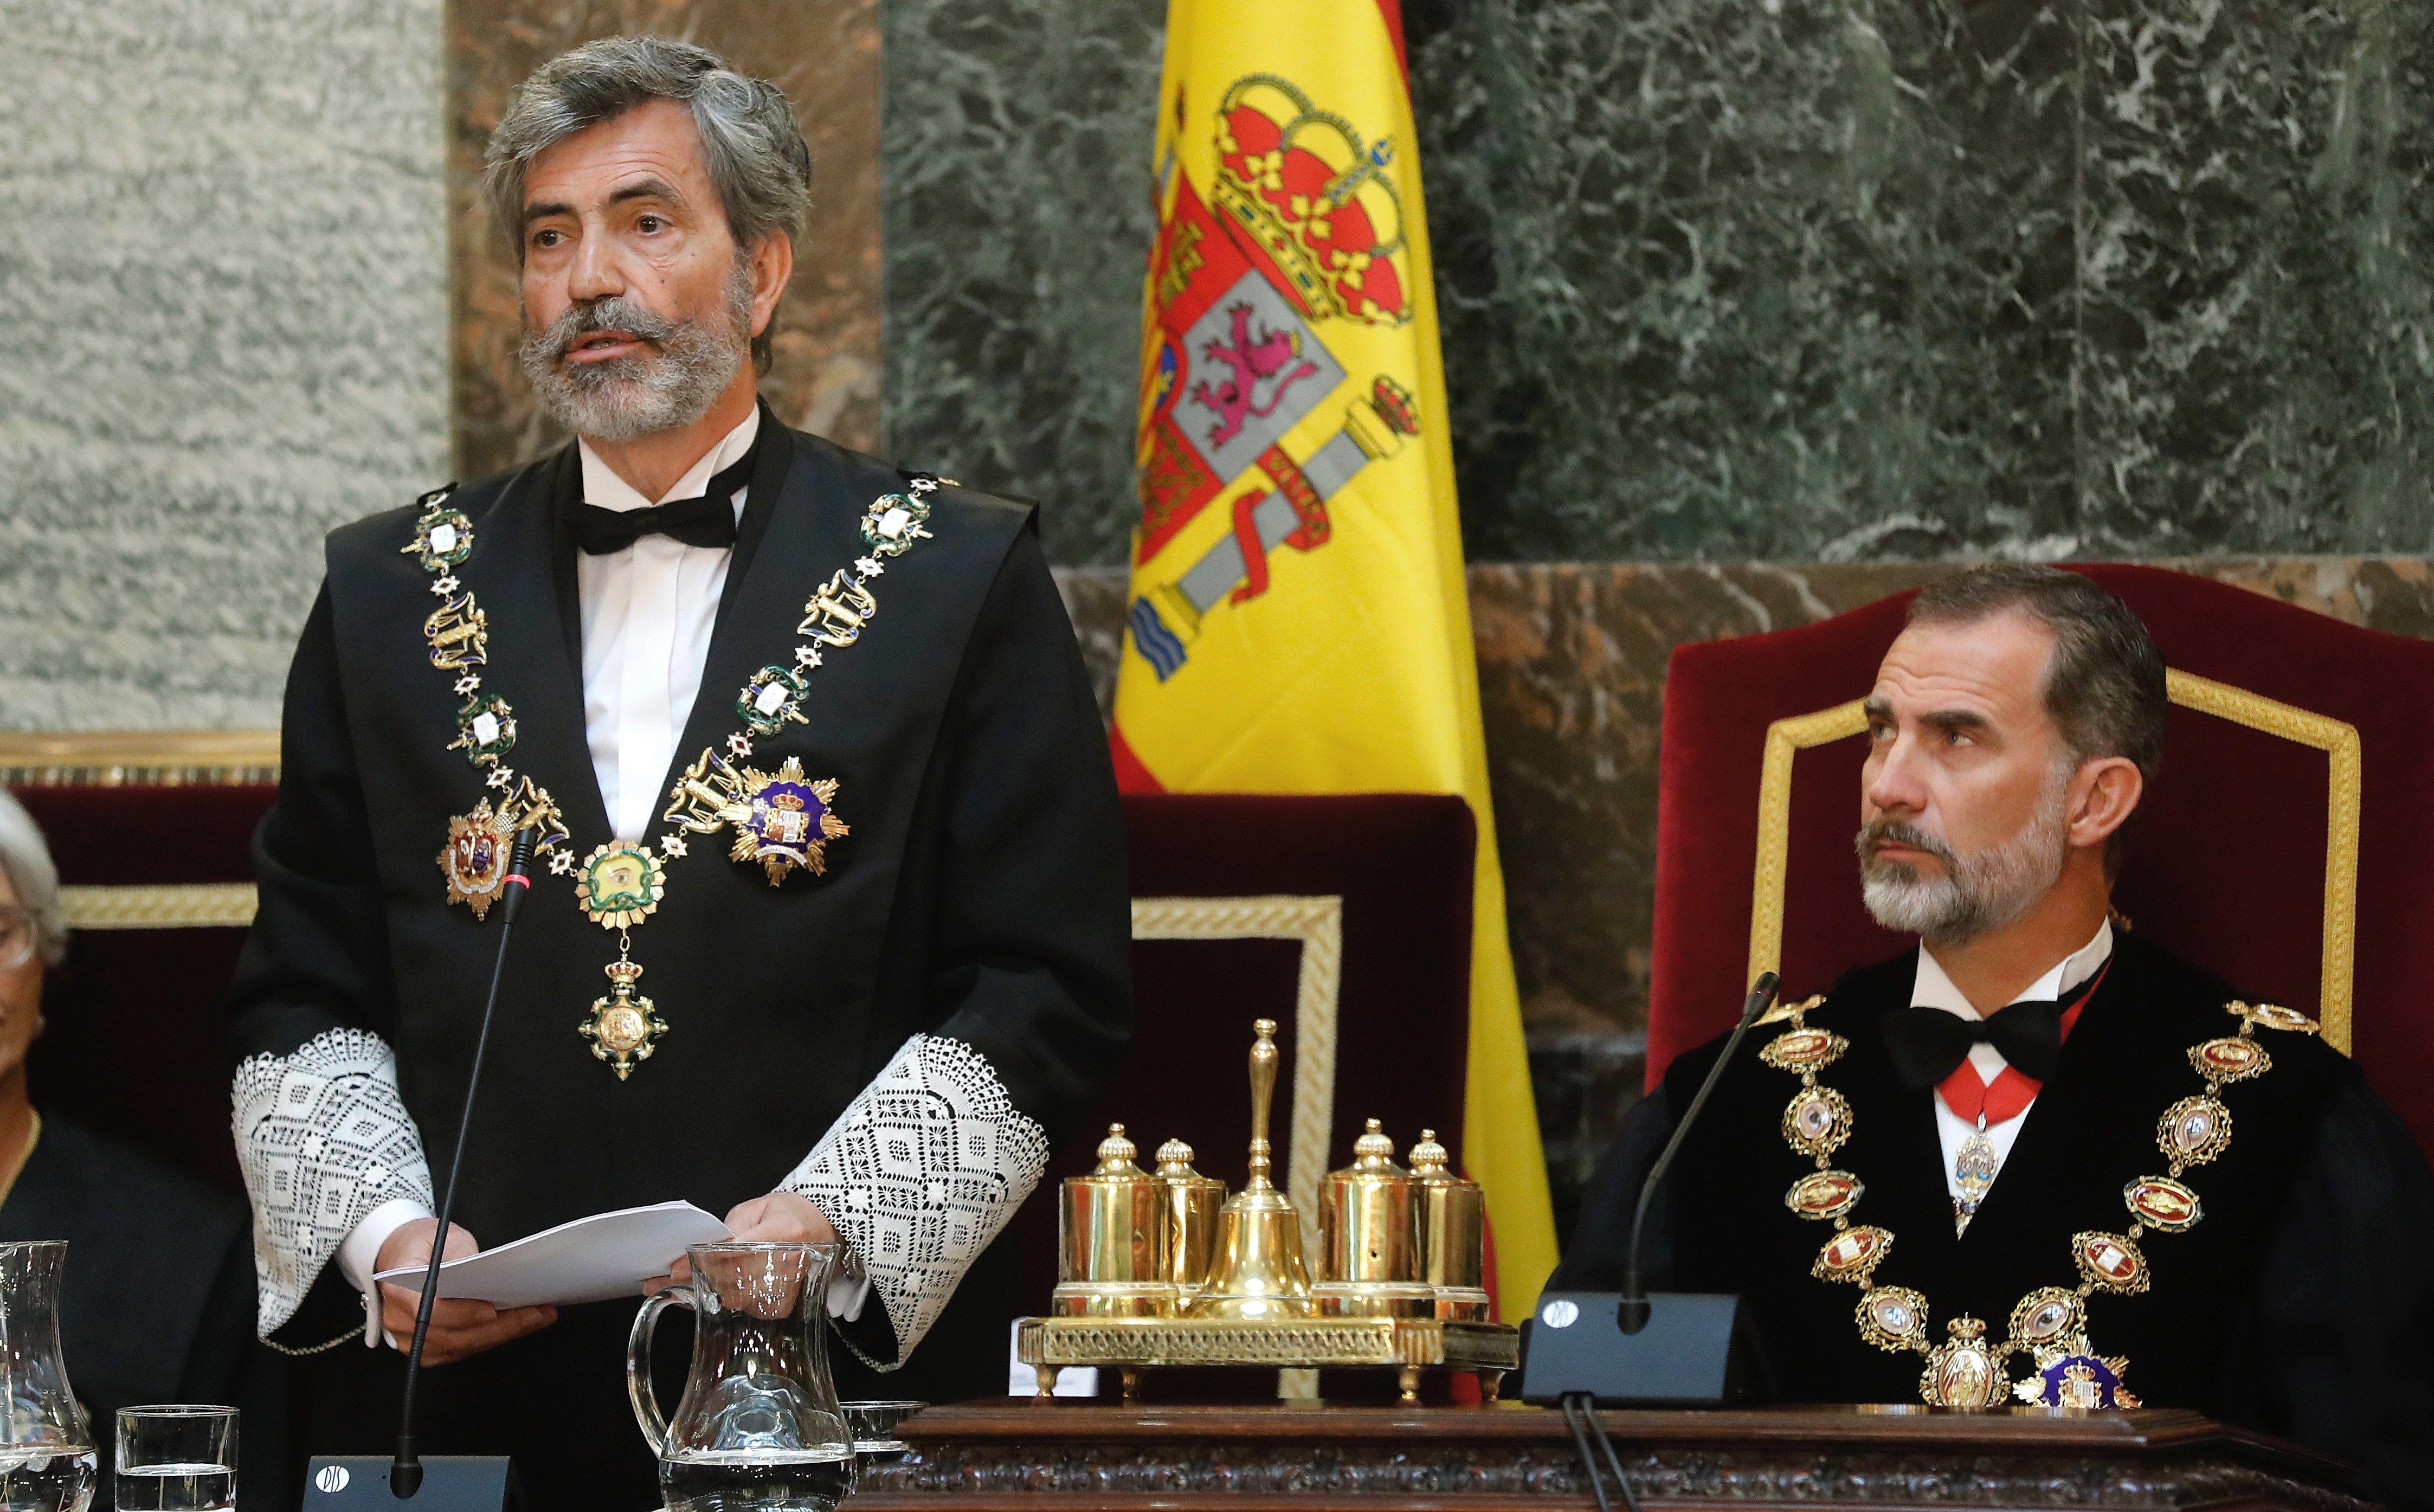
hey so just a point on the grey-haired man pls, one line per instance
(829, 924)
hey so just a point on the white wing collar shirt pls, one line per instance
(1932, 988)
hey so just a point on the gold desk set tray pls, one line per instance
(1163, 1269)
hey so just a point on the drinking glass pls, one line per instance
(177, 1458)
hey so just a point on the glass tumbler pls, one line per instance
(177, 1458)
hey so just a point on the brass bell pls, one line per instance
(1111, 1239)
(1368, 1263)
(1258, 1272)
(1188, 1202)
(1452, 1242)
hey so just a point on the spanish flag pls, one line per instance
(1299, 616)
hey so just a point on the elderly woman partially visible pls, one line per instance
(158, 1302)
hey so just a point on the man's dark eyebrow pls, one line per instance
(646, 189)
(1963, 721)
(1879, 708)
(544, 209)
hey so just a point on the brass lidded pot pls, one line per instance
(1368, 1255)
(1111, 1239)
(1256, 1271)
(1452, 1238)
(1188, 1203)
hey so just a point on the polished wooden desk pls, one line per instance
(1068, 1456)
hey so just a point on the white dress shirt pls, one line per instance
(1933, 989)
(648, 611)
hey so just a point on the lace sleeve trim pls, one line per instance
(919, 1173)
(324, 1139)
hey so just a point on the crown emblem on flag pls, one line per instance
(1313, 198)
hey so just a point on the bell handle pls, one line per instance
(1263, 1077)
(637, 1366)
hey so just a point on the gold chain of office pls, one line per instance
(782, 820)
(2048, 1325)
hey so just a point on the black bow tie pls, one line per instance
(1929, 1044)
(708, 521)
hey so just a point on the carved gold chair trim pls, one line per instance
(2344, 787)
(161, 905)
(1317, 923)
(156, 758)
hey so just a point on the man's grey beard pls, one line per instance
(1975, 894)
(648, 391)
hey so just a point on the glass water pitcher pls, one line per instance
(759, 1427)
(47, 1457)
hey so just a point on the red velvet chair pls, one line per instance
(2284, 846)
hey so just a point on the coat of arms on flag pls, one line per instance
(1304, 227)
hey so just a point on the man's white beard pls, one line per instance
(645, 393)
(1975, 894)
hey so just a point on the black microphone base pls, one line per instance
(451, 1483)
(1699, 1348)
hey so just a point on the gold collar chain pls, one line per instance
(2048, 1325)
(782, 820)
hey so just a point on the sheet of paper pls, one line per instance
(597, 1259)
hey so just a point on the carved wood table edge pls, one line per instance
(1010, 1454)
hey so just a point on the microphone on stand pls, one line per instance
(1631, 1313)
(405, 1470)
(1585, 1350)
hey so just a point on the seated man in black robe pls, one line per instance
(2037, 1159)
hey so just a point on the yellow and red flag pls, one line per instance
(1299, 622)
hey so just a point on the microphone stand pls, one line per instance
(1632, 1311)
(406, 1471)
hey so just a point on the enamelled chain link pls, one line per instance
(2049, 1325)
(473, 861)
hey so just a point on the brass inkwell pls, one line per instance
(1161, 1269)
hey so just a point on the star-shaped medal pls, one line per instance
(784, 821)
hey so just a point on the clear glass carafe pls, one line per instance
(759, 1426)
(46, 1458)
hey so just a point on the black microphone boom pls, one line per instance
(406, 1471)
(1631, 1313)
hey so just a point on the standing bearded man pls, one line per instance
(833, 922)
(2036, 1158)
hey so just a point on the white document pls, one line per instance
(597, 1259)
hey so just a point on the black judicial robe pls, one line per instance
(2302, 1304)
(981, 896)
(157, 1303)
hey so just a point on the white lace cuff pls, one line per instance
(324, 1139)
(918, 1174)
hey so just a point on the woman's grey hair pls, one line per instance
(26, 859)
(756, 154)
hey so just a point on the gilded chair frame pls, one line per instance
(171, 758)
(2345, 768)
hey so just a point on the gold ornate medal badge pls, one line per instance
(2049, 1325)
(782, 821)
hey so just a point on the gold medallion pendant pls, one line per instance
(473, 863)
(620, 885)
(624, 1027)
(474, 860)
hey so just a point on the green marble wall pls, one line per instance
(1829, 279)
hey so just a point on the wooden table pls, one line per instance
(1062, 1456)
